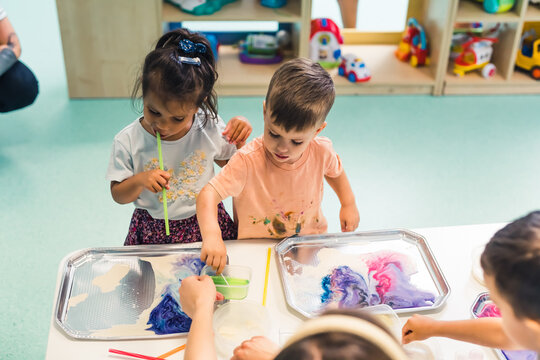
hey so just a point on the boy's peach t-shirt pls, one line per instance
(277, 200)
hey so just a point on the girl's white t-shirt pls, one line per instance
(189, 160)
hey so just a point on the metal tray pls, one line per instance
(109, 293)
(304, 262)
(480, 304)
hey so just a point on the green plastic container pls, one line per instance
(236, 290)
(234, 284)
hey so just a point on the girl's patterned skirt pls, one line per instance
(144, 229)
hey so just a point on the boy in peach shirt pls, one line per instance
(276, 181)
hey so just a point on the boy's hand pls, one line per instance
(258, 347)
(418, 327)
(349, 217)
(214, 253)
(198, 293)
(155, 180)
(237, 131)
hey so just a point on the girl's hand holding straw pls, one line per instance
(155, 180)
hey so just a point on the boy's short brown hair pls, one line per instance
(300, 95)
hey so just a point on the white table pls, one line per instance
(452, 247)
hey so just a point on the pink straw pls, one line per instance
(134, 355)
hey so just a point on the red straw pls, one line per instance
(138, 356)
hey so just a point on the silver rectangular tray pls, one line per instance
(353, 269)
(482, 304)
(113, 293)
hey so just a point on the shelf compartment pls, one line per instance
(469, 11)
(388, 74)
(533, 13)
(237, 78)
(503, 55)
(240, 10)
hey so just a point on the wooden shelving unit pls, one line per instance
(104, 46)
(507, 80)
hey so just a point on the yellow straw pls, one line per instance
(164, 190)
(266, 275)
(172, 352)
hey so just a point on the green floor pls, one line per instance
(413, 161)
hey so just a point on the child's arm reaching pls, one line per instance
(486, 331)
(197, 297)
(213, 251)
(348, 215)
(237, 131)
(129, 190)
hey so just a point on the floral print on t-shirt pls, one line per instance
(184, 180)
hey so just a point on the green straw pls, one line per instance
(164, 190)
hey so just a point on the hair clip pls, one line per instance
(189, 46)
(187, 60)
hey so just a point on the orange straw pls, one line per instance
(269, 254)
(172, 352)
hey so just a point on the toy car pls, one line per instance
(476, 55)
(413, 46)
(354, 69)
(260, 49)
(497, 6)
(528, 57)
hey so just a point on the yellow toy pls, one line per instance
(476, 55)
(528, 57)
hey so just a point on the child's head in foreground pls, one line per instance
(177, 79)
(342, 335)
(298, 100)
(511, 263)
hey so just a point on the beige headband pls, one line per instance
(351, 325)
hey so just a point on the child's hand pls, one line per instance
(237, 131)
(214, 253)
(349, 217)
(155, 180)
(258, 347)
(198, 293)
(418, 327)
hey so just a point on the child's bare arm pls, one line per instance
(129, 190)
(348, 215)
(197, 296)
(486, 332)
(213, 250)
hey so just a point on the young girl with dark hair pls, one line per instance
(179, 103)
